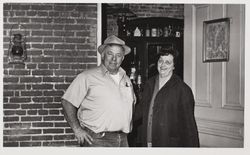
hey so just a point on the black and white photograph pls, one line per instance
(137, 75)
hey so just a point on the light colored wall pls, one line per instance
(218, 86)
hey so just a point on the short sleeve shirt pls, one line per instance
(103, 105)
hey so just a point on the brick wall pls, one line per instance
(147, 10)
(61, 43)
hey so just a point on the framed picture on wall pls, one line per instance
(216, 35)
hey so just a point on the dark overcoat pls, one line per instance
(173, 122)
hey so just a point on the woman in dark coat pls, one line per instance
(167, 108)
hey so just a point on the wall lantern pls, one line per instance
(17, 52)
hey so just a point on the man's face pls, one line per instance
(165, 65)
(113, 56)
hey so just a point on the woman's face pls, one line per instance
(165, 65)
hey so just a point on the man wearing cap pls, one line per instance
(98, 104)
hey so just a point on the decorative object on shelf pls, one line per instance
(154, 32)
(17, 52)
(216, 35)
(165, 31)
(178, 33)
(147, 33)
(137, 32)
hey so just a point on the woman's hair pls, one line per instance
(166, 51)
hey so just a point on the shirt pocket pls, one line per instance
(127, 93)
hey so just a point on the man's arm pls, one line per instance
(70, 113)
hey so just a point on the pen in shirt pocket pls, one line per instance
(127, 84)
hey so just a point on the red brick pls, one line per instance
(19, 72)
(21, 112)
(42, 124)
(43, 112)
(42, 99)
(53, 143)
(6, 6)
(65, 66)
(20, 100)
(41, 33)
(53, 26)
(5, 100)
(42, 59)
(54, 105)
(21, 20)
(30, 144)
(41, 20)
(9, 112)
(31, 118)
(42, 86)
(32, 112)
(57, 99)
(35, 52)
(41, 138)
(22, 131)
(53, 79)
(10, 119)
(63, 21)
(83, 33)
(75, 40)
(53, 118)
(64, 137)
(45, 131)
(6, 66)
(11, 106)
(79, 66)
(64, 46)
(10, 144)
(42, 72)
(53, 14)
(31, 66)
(72, 143)
(31, 106)
(63, 33)
(30, 79)
(65, 72)
(33, 26)
(8, 93)
(54, 39)
(54, 112)
(31, 13)
(17, 138)
(19, 66)
(53, 93)
(20, 7)
(31, 93)
(13, 112)
(61, 124)
(39, 7)
(53, 66)
(42, 46)
(17, 125)
(42, 13)
(14, 87)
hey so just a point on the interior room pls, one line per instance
(59, 40)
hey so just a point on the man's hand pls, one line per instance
(70, 113)
(82, 135)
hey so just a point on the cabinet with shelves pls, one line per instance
(148, 42)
